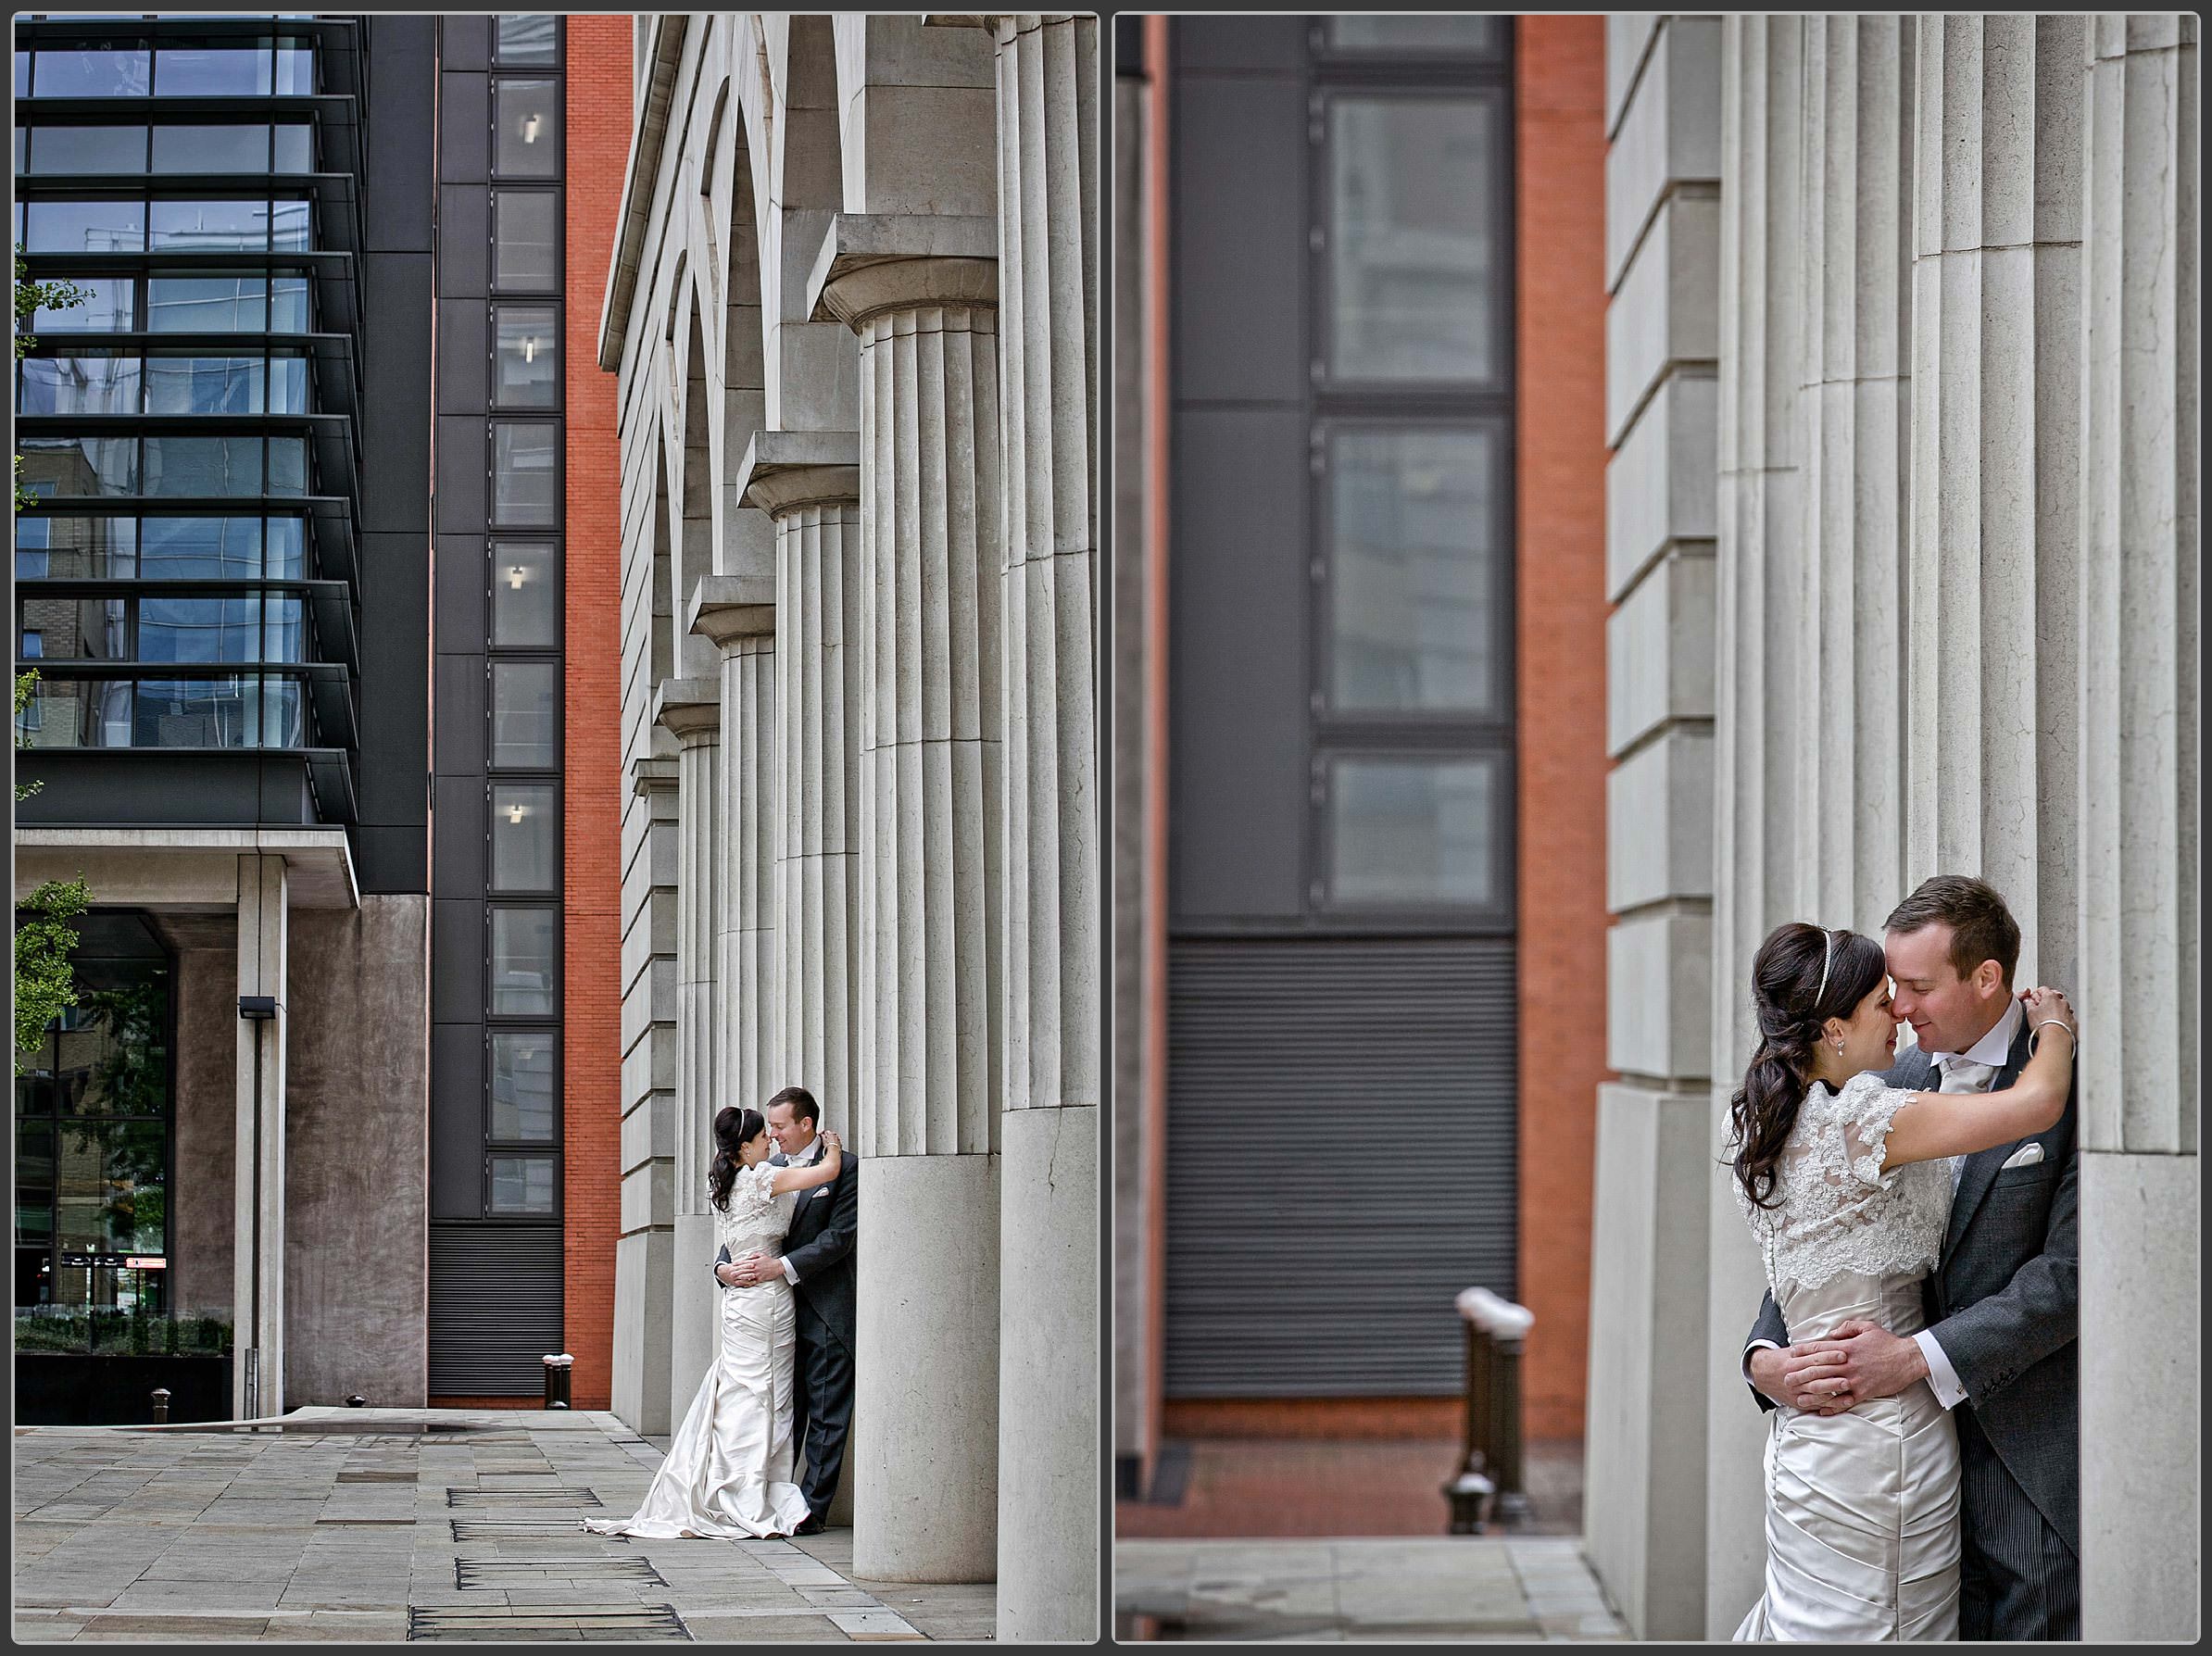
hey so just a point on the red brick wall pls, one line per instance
(599, 94)
(1560, 153)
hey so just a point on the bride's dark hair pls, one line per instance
(733, 1127)
(1793, 1004)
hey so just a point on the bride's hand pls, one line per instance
(833, 1145)
(2048, 1005)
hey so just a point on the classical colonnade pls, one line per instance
(854, 310)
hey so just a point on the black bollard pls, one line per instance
(356, 1401)
(557, 1380)
(161, 1405)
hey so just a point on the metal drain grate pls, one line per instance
(365, 1474)
(521, 1497)
(553, 1571)
(499, 1529)
(594, 1623)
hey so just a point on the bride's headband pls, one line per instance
(1827, 949)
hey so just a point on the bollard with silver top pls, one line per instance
(161, 1405)
(557, 1380)
(356, 1401)
(1488, 1487)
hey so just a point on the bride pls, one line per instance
(728, 1470)
(1846, 1184)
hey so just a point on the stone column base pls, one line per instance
(694, 1313)
(639, 1392)
(1049, 1374)
(2140, 1344)
(925, 1472)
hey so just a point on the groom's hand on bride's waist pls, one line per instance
(1860, 1361)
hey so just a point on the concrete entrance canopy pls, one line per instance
(185, 869)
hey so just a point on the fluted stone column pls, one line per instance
(1993, 564)
(1855, 420)
(1764, 681)
(921, 293)
(1049, 1172)
(808, 483)
(2139, 841)
(691, 710)
(257, 1249)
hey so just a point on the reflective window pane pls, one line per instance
(212, 149)
(1360, 31)
(109, 1189)
(211, 71)
(74, 548)
(295, 149)
(201, 549)
(292, 226)
(525, 597)
(288, 305)
(525, 241)
(1416, 266)
(109, 306)
(526, 38)
(287, 386)
(78, 385)
(525, 128)
(525, 474)
(197, 714)
(1407, 831)
(525, 963)
(84, 226)
(287, 549)
(35, 1183)
(284, 713)
(88, 149)
(525, 836)
(113, 1044)
(225, 226)
(523, 1098)
(521, 1185)
(525, 715)
(204, 386)
(189, 466)
(294, 70)
(526, 357)
(206, 304)
(79, 465)
(287, 465)
(225, 629)
(1414, 562)
(78, 713)
(284, 629)
(100, 72)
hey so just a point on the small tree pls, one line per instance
(46, 987)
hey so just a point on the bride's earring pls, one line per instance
(1839, 1048)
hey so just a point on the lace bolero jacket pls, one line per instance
(1835, 1210)
(757, 1218)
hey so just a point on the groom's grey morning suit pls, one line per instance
(2002, 1308)
(818, 1261)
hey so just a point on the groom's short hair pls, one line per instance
(1982, 928)
(803, 1108)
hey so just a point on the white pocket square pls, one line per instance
(2028, 1155)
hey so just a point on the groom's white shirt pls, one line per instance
(1989, 1052)
(806, 1157)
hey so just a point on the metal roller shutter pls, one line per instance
(1341, 1125)
(494, 1308)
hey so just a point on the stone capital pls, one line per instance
(871, 263)
(689, 708)
(649, 776)
(783, 471)
(726, 608)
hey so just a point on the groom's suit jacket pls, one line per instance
(2003, 1301)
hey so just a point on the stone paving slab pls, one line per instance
(1475, 1587)
(340, 1526)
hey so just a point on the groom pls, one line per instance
(1998, 1350)
(817, 1261)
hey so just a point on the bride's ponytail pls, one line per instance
(734, 1128)
(1800, 977)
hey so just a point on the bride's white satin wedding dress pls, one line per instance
(1862, 1507)
(728, 1470)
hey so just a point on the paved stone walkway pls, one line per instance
(362, 1524)
(1475, 1587)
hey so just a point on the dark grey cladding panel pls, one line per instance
(395, 710)
(464, 128)
(1275, 45)
(145, 786)
(460, 725)
(1239, 240)
(1342, 1160)
(460, 826)
(464, 452)
(456, 952)
(464, 328)
(402, 93)
(465, 41)
(1237, 601)
(459, 575)
(395, 392)
(392, 859)
(456, 1121)
(494, 1308)
(464, 242)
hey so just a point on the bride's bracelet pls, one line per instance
(2058, 1023)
